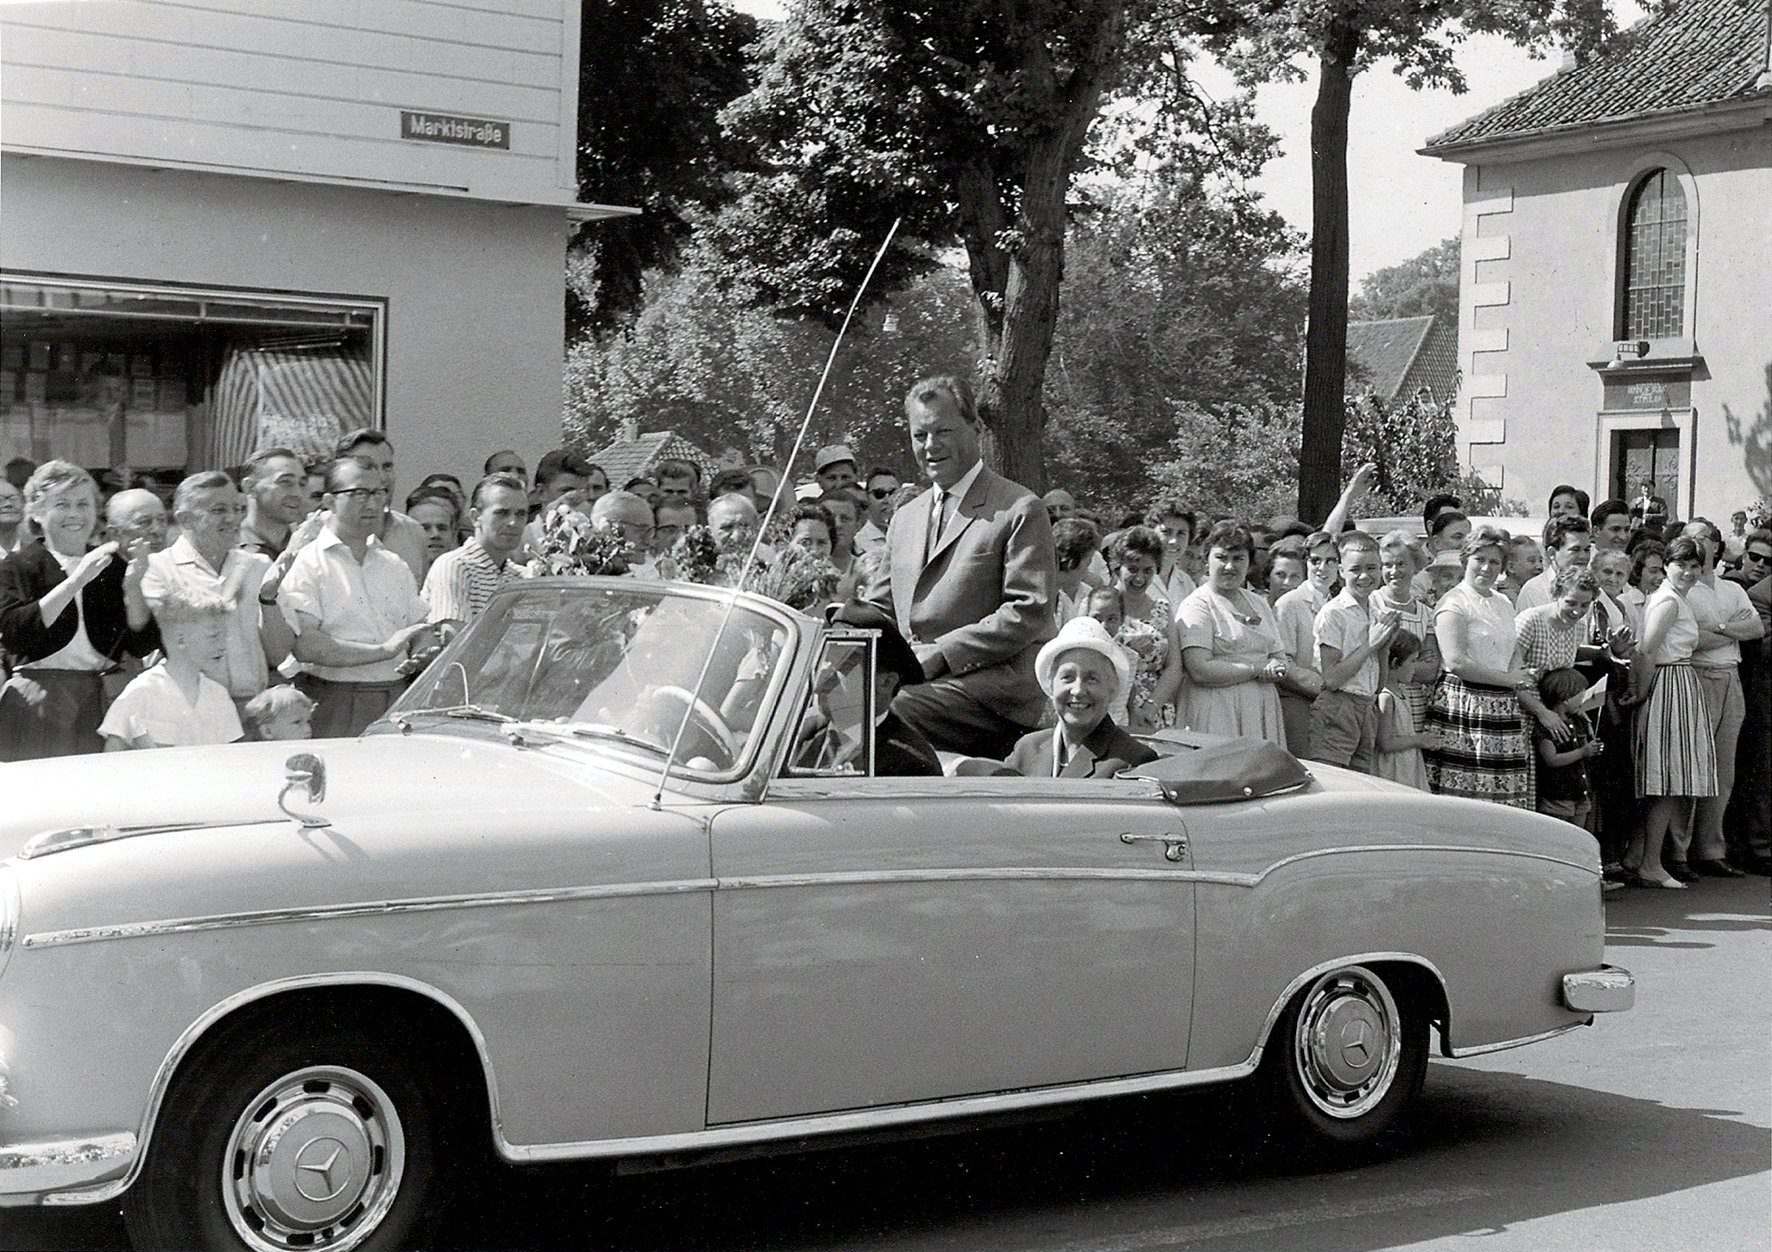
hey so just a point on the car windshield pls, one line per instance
(611, 660)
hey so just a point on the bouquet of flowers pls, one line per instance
(795, 577)
(697, 556)
(572, 543)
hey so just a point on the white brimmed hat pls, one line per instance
(1087, 635)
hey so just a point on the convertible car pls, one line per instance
(585, 893)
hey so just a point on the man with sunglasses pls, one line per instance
(354, 604)
(882, 483)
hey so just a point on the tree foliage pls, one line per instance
(1268, 39)
(1424, 284)
(1173, 297)
(967, 119)
(732, 377)
(653, 77)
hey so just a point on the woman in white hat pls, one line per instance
(1084, 672)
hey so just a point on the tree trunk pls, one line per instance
(1013, 371)
(1325, 369)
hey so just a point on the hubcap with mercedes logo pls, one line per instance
(1347, 1043)
(314, 1161)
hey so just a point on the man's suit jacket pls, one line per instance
(983, 599)
(1106, 752)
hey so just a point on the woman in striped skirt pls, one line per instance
(1676, 755)
(1485, 752)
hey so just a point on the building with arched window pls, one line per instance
(1615, 309)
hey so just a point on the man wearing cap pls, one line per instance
(1084, 672)
(899, 750)
(835, 467)
(970, 576)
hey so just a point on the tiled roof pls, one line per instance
(630, 458)
(1398, 356)
(1696, 53)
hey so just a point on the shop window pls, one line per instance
(153, 383)
(1654, 256)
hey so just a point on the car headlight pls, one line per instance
(9, 911)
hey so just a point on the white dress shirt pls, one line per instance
(355, 603)
(237, 581)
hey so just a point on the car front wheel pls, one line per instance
(272, 1143)
(1346, 1061)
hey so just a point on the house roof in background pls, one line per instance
(1398, 356)
(630, 458)
(1697, 53)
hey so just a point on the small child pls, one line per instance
(280, 713)
(1399, 744)
(1564, 789)
(175, 704)
(1107, 605)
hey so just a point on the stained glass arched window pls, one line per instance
(1655, 259)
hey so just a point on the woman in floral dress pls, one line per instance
(1149, 629)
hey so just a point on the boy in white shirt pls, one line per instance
(176, 704)
(1351, 645)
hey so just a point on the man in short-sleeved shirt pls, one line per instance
(209, 510)
(461, 582)
(355, 605)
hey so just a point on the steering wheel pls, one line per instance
(702, 717)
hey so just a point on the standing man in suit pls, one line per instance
(970, 578)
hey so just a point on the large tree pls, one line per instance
(653, 77)
(1268, 39)
(968, 119)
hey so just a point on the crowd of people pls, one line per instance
(1609, 670)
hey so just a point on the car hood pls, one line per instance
(380, 775)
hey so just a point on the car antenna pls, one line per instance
(769, 513)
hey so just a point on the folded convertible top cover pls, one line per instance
(1220, 772)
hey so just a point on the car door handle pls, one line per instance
(1174, 846)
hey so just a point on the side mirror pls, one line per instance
(305, 772)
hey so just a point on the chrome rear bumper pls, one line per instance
(1607, 989)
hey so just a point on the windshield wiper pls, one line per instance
(466, 712)
(601, 730)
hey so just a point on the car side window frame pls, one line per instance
(838, 639)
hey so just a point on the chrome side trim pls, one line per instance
(721, 1136)
(1484, 1048)
(549, 895)
(31, 1170)
(1023, 873)
(367, 908)
(188, 1039)
(1253, 879)
(874, 1119)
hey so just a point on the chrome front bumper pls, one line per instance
(57, 1172)
(1607, 989)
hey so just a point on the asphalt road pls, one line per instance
(1651, 1130)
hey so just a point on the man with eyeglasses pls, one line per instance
(207, 558)
(276, 500)
(882, 485)
(356, 607)
(401, 535)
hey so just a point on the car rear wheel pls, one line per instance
(1346, 1062)
(272, 1144)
